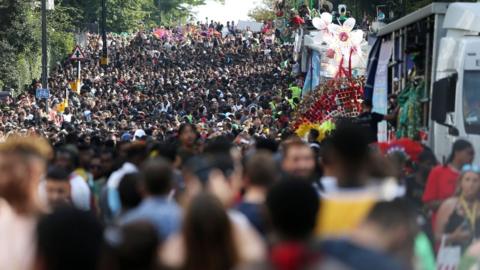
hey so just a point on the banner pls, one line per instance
(313, 76)
(380, 88)
(76, 86)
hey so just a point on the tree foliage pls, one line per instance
(262, 13)
(20, 29)
(266, 10)
(130, 15)
(16, 41)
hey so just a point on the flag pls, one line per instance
(75, 86)
(313, 75)
(61, 107)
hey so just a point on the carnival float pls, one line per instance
(334, 83)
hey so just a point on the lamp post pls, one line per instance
(104, 58)
(44, 50)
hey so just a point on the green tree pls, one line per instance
(17, 43)
(264, 12)
(20, 39)
(20, 29)
(169, 12)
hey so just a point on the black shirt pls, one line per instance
(414, 191)
(370, 121)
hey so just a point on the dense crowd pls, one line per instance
(222, 84)
(178, 156)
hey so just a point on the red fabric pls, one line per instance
(410, 148)
(265, 28)
(441, 184)
(288, 256)
(298, 20)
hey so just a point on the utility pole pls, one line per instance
(44, 50)
(104, 58)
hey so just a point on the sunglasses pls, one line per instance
(471, 168)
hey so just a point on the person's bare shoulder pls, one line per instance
(448, 205)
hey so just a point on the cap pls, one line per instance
(126, 137)
(139, 133)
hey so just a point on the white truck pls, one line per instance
(446, 37)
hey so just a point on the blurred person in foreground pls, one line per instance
(129, 192)
(67, 159)
(217, 174)
(133, 246)
(133, 156)
(68, 238)
(156, 207)
(57, 187)
(298, 158)
(347, 156)
(207, 240)
(23, 162)
(292, 207)
(384, 240)
(260, 173)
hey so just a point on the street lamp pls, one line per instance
(44, 50)
(104, 58)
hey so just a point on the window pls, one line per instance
(471, 101)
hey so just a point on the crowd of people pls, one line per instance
(177, 155)
(222, 84)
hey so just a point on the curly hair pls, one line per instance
(27, 145)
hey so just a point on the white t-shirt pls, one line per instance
(80, 192)
(67, 118)
(330, 184)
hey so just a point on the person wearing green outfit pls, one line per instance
(425, 258)
(296, 91)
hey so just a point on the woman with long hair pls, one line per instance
(442, 180)
(458, 218)
(187, 136)
(207, 240)
(208, 236)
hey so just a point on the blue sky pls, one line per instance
(232, 10)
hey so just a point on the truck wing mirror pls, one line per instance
(443, 98)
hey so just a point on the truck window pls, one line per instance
(471, 101)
